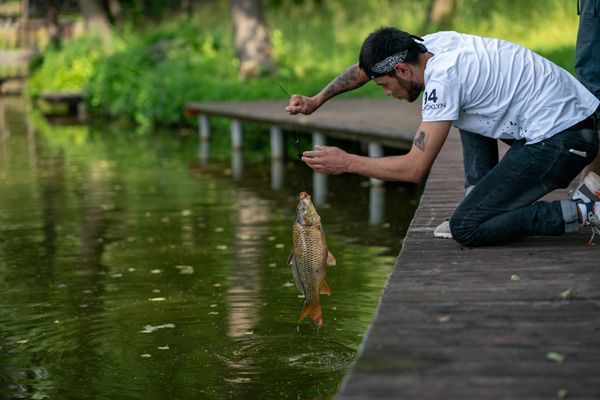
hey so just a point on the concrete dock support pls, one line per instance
(319, 180)
(375, 150)
(277, 145)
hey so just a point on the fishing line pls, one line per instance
(284, 91)
(298, 146)
(293, 35)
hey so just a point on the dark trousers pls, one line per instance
(502, 204)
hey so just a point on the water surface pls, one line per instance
(132, 268)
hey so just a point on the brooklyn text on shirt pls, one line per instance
(430, 101)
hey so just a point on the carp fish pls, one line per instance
(309, 257)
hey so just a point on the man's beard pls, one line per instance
(411, 87)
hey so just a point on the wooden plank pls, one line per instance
(452, 323)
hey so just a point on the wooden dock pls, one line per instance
(484, 323)
(74, 101)
(14, 82)
(379, 121)
(516, 321)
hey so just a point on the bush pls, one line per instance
(68, 69)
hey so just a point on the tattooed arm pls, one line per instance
(353, 77)
(411, 167)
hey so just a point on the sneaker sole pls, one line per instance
(442, 235)
(443, 231)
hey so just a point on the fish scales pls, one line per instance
(309, 258)
(310, 253)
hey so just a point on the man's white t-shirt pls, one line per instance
(500, 89)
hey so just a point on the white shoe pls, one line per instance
(589, 189)
(443, 231)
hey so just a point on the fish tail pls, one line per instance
(314, 310)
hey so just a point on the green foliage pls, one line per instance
(67, 69)
(155, 71)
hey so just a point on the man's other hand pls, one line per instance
(327, 160)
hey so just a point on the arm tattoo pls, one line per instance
(350, 79)
(420, 141)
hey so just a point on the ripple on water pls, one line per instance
(281, 352)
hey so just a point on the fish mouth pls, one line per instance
(304, 195)
(305, 212)
(304, 198)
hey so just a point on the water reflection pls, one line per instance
(32, 147)
(244, 294)
(52, 192)
(237, 164)
(277, 174)
(376, 204)
(4, 134)
(4, 129)
(126, 273)
(319, 195)
(204, 151)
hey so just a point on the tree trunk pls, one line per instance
(52, 24)
(115, 10)
(251, 36)
(96, 21)
(440, 12)
(186, 7)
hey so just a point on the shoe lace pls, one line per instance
(595, 227)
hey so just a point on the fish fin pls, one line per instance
(324, 287)
(314, 311)
(330, 259)
(297, 279)
(291, 258)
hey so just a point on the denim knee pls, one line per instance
(464, 231)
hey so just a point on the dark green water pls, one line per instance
(129, 269)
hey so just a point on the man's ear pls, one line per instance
(403, 71)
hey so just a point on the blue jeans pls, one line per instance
(587, 51)
(502, 205)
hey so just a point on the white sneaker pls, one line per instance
(593, 220)
(443, 231)
(589, 190)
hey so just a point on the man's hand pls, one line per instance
(410, 167)
(327, 160)
(302, 104)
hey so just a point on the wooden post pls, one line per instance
(236, 134)
(276, 143)
(375, 150)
